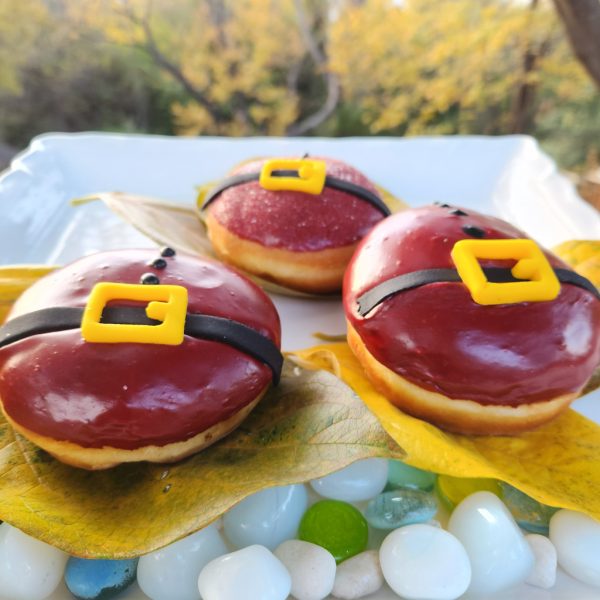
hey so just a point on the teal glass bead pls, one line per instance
(401, 475)
(401, 507)
(336, 526)
(531, 515)
(89, 579)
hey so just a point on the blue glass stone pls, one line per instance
(99, 579)
(531, 515)
(401, 507)
(401, 475)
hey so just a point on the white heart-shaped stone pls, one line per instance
(421, 561)
(499, 554)
(252, 573)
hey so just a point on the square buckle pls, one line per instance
(541, 285)
(166, 303)
(311, 175)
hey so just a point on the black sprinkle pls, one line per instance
(167, 251)
(158, 263)
(474, 231)
(459, 213)
(149, 279)
(305, 156)
(444, 205)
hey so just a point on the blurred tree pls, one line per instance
(296, 67)
(247, 66)
(453, 67)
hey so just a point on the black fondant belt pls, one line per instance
(331, 182)
(369, 300)
(205, 327)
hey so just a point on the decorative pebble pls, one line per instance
(529, 514)
(453, 490)
(402, 475)
(268, 517)
(311, 568)
(420, 561)
(499, 554)
(361, 480)
(336, 526)
(172, 571)
(358, 576)
(29, 569)
(99, 579)
(577, 541)
(544, 570)
(252, 573)
(398, 508)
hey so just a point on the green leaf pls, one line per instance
(310, 425)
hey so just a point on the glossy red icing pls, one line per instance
(438, 338)
(294, 220)
(134, 395)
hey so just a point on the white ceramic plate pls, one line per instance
(505, 176)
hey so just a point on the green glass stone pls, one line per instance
(336, 526)
(531, 515)
(401, 507)
(401, 475)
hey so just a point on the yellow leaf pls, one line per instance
(14, 280)
(310, 425)
(556, 464)
(583, 256)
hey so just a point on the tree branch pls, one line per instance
(581, 19)
(151, 47)
(332, 82)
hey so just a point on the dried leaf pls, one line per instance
(167, 223)
(556, 464)
(310, 425)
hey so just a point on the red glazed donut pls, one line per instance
(94, 405)
(297, 239)
(439, 355)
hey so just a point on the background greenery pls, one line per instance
(295, 67)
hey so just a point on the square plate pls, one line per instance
(505, 176)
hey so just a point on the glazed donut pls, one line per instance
(90, 374)
(438, 354)
(267, 220)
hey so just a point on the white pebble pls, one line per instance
(311, 568)
(252, 573)
(29, 569)
(577, 541)
(172, 571)
(358, 576)
(544, 570)
(500, 557)
(421, 561)
(267, 518)
(360, 481)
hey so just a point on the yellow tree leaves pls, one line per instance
(440, 67)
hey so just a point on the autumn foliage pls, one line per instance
(295, 67)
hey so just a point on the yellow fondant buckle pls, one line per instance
(311, 175)
(542, 283)
(166, 303)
